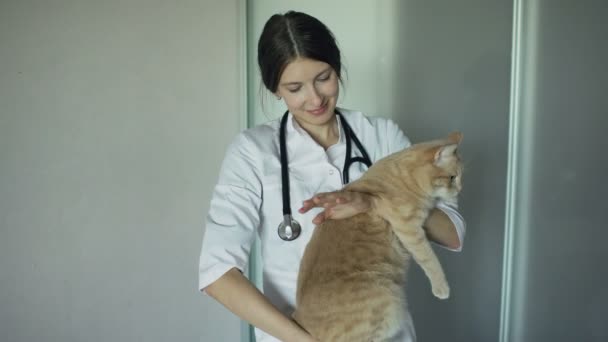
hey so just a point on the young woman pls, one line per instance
(300, 63)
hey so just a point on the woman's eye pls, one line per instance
(295, 90)
(323, 78)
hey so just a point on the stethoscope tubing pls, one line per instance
(284, 166)
(289, 229)
(348, 161)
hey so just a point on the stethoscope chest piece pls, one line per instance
(289, 229)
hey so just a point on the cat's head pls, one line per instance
(436, 167)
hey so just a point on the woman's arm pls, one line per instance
(342, 204)
(238, 295)
(440, 229)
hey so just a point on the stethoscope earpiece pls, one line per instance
(289, 229)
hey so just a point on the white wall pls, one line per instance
(114, 116)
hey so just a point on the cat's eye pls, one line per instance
(452, 179)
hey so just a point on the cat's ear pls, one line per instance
(448, 150)
(455, 137)
(445, 153)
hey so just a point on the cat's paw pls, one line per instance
(441, 290)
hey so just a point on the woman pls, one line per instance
(300, 63)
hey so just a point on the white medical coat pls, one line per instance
(247, 200)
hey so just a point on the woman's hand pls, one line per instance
(337, 204)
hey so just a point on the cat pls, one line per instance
(351, 282)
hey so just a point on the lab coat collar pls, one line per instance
(302, 149)
(293, 127)
(341, 139)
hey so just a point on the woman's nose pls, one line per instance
(315, 97)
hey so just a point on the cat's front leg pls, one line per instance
(407, 226)
(415, 241)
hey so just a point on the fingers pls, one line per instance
(306, 206)
(319, 218)
(337, 205)
(335, 213)
(323, 200)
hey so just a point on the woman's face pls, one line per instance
(310, 90)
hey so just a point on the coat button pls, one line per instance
(331, 172)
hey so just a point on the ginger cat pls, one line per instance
(351, 284)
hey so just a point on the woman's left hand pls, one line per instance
(337, 204)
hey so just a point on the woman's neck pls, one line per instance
(325, 135)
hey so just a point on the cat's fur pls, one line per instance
(351, 284)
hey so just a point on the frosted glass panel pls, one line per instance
(558, 281)
(452, 67)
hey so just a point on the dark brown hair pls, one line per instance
(288, 36)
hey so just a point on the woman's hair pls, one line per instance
(291, 35)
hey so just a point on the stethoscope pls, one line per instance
(290, 229)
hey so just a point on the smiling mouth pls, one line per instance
(318, 111)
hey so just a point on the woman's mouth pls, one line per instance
(318, 111)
